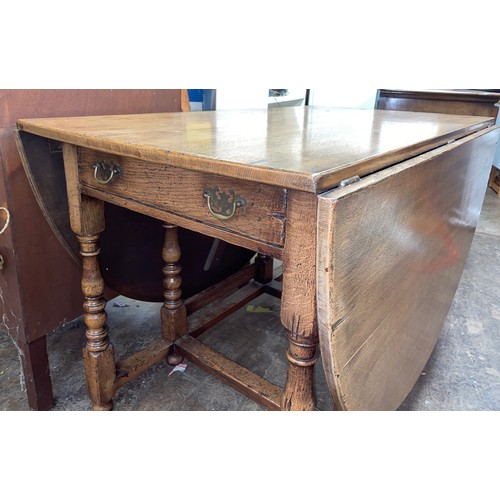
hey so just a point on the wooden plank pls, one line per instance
(274, 288)
(235, 375)
(216, 311)
(220, 290)
(129, 368)
(393, 248)
(303, 148)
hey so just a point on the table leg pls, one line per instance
(35, 365)
(87, 222)
(98, 353)
(173, 311)
(298, 303)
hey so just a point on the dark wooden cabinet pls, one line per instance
(456, 102)
(39, 280)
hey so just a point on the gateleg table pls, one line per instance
(372, 213)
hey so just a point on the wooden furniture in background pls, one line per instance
(456, 102)
(494, 182)
(32, 254)
(358, 204)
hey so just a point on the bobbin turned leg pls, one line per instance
(298, 303)
(173, 311)
(98, 353)
(87, 222)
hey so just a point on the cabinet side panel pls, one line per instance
(11, 321)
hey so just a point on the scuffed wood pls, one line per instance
(220, 290)
(181, 192)
(217, 310)
(233, 374)
(129, 368)
(298, 302)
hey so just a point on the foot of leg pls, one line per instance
(299, 387)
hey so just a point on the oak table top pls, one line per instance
(304, 148)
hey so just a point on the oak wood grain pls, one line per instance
(235, 375)
(220, 290)
(131, 367)
(393, 248)
(304, 148)
(181, 221)
(298, 304)
(203, 319)
(181, 191)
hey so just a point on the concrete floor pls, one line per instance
(463, 372)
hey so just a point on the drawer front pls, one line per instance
(251, 209)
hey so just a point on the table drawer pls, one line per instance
(251, 209)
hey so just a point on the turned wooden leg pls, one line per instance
(173, 311)
(98, 353)
(299, 386)
(86, 216)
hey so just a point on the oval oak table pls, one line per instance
(371, 212)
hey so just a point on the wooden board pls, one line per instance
(454, 102)
(304, 148)
(391, 250)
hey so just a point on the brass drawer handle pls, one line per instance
(223, 205)
(106, 171)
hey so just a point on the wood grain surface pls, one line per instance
(391, 250)
(304, 148)
(181, 192)
(457, 102)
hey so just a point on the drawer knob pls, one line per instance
(105, 172)
(223, 205)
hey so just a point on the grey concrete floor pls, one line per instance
(463, 372)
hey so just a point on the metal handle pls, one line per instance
(223, 205)
(7, 220)
(107, 171)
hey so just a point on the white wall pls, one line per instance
(241, 98)
(338, 97)
(349, 96)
